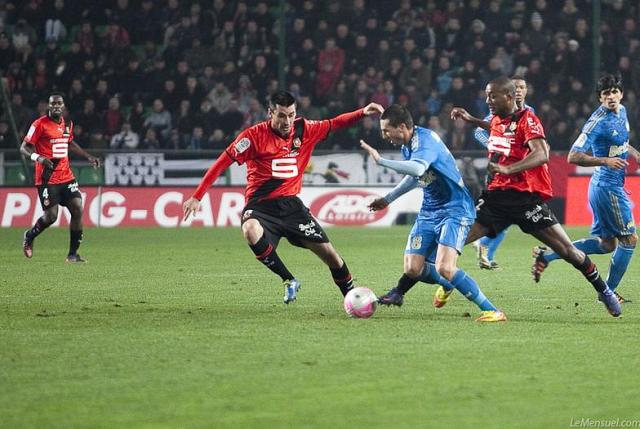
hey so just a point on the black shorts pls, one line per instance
(498, 210)
(285, 217)
(63, 193)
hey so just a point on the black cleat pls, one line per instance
(75, 259)
(393, 297)
(27, 246)
(539, 263)
(622, 300)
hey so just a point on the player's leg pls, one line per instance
(265, 250)
(557, 239)
(75, 229)
(50, 207)
(620, 261)
(487, 248)
(339, 271)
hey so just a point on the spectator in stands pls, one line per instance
(137, 117)
(150, 141)
(6, 142)
(55, 30)
(91, 122)
(197, 140)
(159, 119)
(113, 118)
(330, 67)
(125, 139)
(231, 120)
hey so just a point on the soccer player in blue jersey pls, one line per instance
(486, 247)
(606, 137)
(446, 215)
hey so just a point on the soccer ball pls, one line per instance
(360, 302)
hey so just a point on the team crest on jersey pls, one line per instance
(416, 242)
(67, 131)
(295, 147)
(242, 145)
(511, 129)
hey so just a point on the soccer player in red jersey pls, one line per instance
(520, 182)
(277, 152)
(47, 143)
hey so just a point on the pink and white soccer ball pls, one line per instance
(360, 302)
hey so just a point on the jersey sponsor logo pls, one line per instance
(32, 129)
(73, 187)
(618, 150)
(242, 145)
(348, 207)
(309, 229)
(284, 168)
(534, 126)
(500, 144)
(59, 150)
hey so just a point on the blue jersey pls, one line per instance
(482, 135)
(606, 135)
(443, 189)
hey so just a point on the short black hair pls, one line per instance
(396, 115)
(281, 98)
(505, 84)
(518, 77)
(56, 94)
(609, 81)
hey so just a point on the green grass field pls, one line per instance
(182, 328)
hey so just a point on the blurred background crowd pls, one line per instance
(174, 75)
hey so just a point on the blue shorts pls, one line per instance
(612, 211)
(427, 234)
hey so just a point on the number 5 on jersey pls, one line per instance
(284, 168)
(60, 150)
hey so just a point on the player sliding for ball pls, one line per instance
(277, 153)
(445, 217)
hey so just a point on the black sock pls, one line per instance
(590, 271)
(405, 283)
(266, 253)
(342, 278)
(37, 229)
(75, 238)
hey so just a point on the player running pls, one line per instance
(47, 143)
(277, 152)
(486, 247)
(606, 136)
(519, 183)
(445, 217)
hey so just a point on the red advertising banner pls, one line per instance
(577, 206)
(221, 206)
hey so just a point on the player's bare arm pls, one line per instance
(460, 113)
(75, 148)
(28, 151)
(634, 152)
(539, 155)
(585, 160)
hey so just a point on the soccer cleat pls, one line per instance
(492, 316)
(291, 288)
(495, 265)
(610, 300)
(27, 246)
(622, 300)
(482, 253)
(441, 297)
(393, 297)
(75, 259)
(539, 263)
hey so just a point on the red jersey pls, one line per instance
(508, 138)
(51, 140)
(275, 165)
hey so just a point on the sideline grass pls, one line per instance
(183, 328)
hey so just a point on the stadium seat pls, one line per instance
(14, 175)
(90, 176)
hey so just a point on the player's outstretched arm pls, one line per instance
(539, 155)
(29, 151)
(585, 160)
(193, 203)
(410, 167)
(460, 113)
(351, 118)
(75, 148)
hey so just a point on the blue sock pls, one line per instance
(469, 288)
(432, 276)
(493, 243)
(590, 246)
(619, 263)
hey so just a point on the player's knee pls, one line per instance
(252, 230)
(629, 240)
(412, 271)
(446, 270)
(608, 245)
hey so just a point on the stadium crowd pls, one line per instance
(143, 74)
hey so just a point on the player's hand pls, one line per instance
(460, 113)
(373, 109)
(372, 152)
(494, 168)
(378, 204)
(189, 207)
(94, 161)
(48, 164)
(616, 163)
